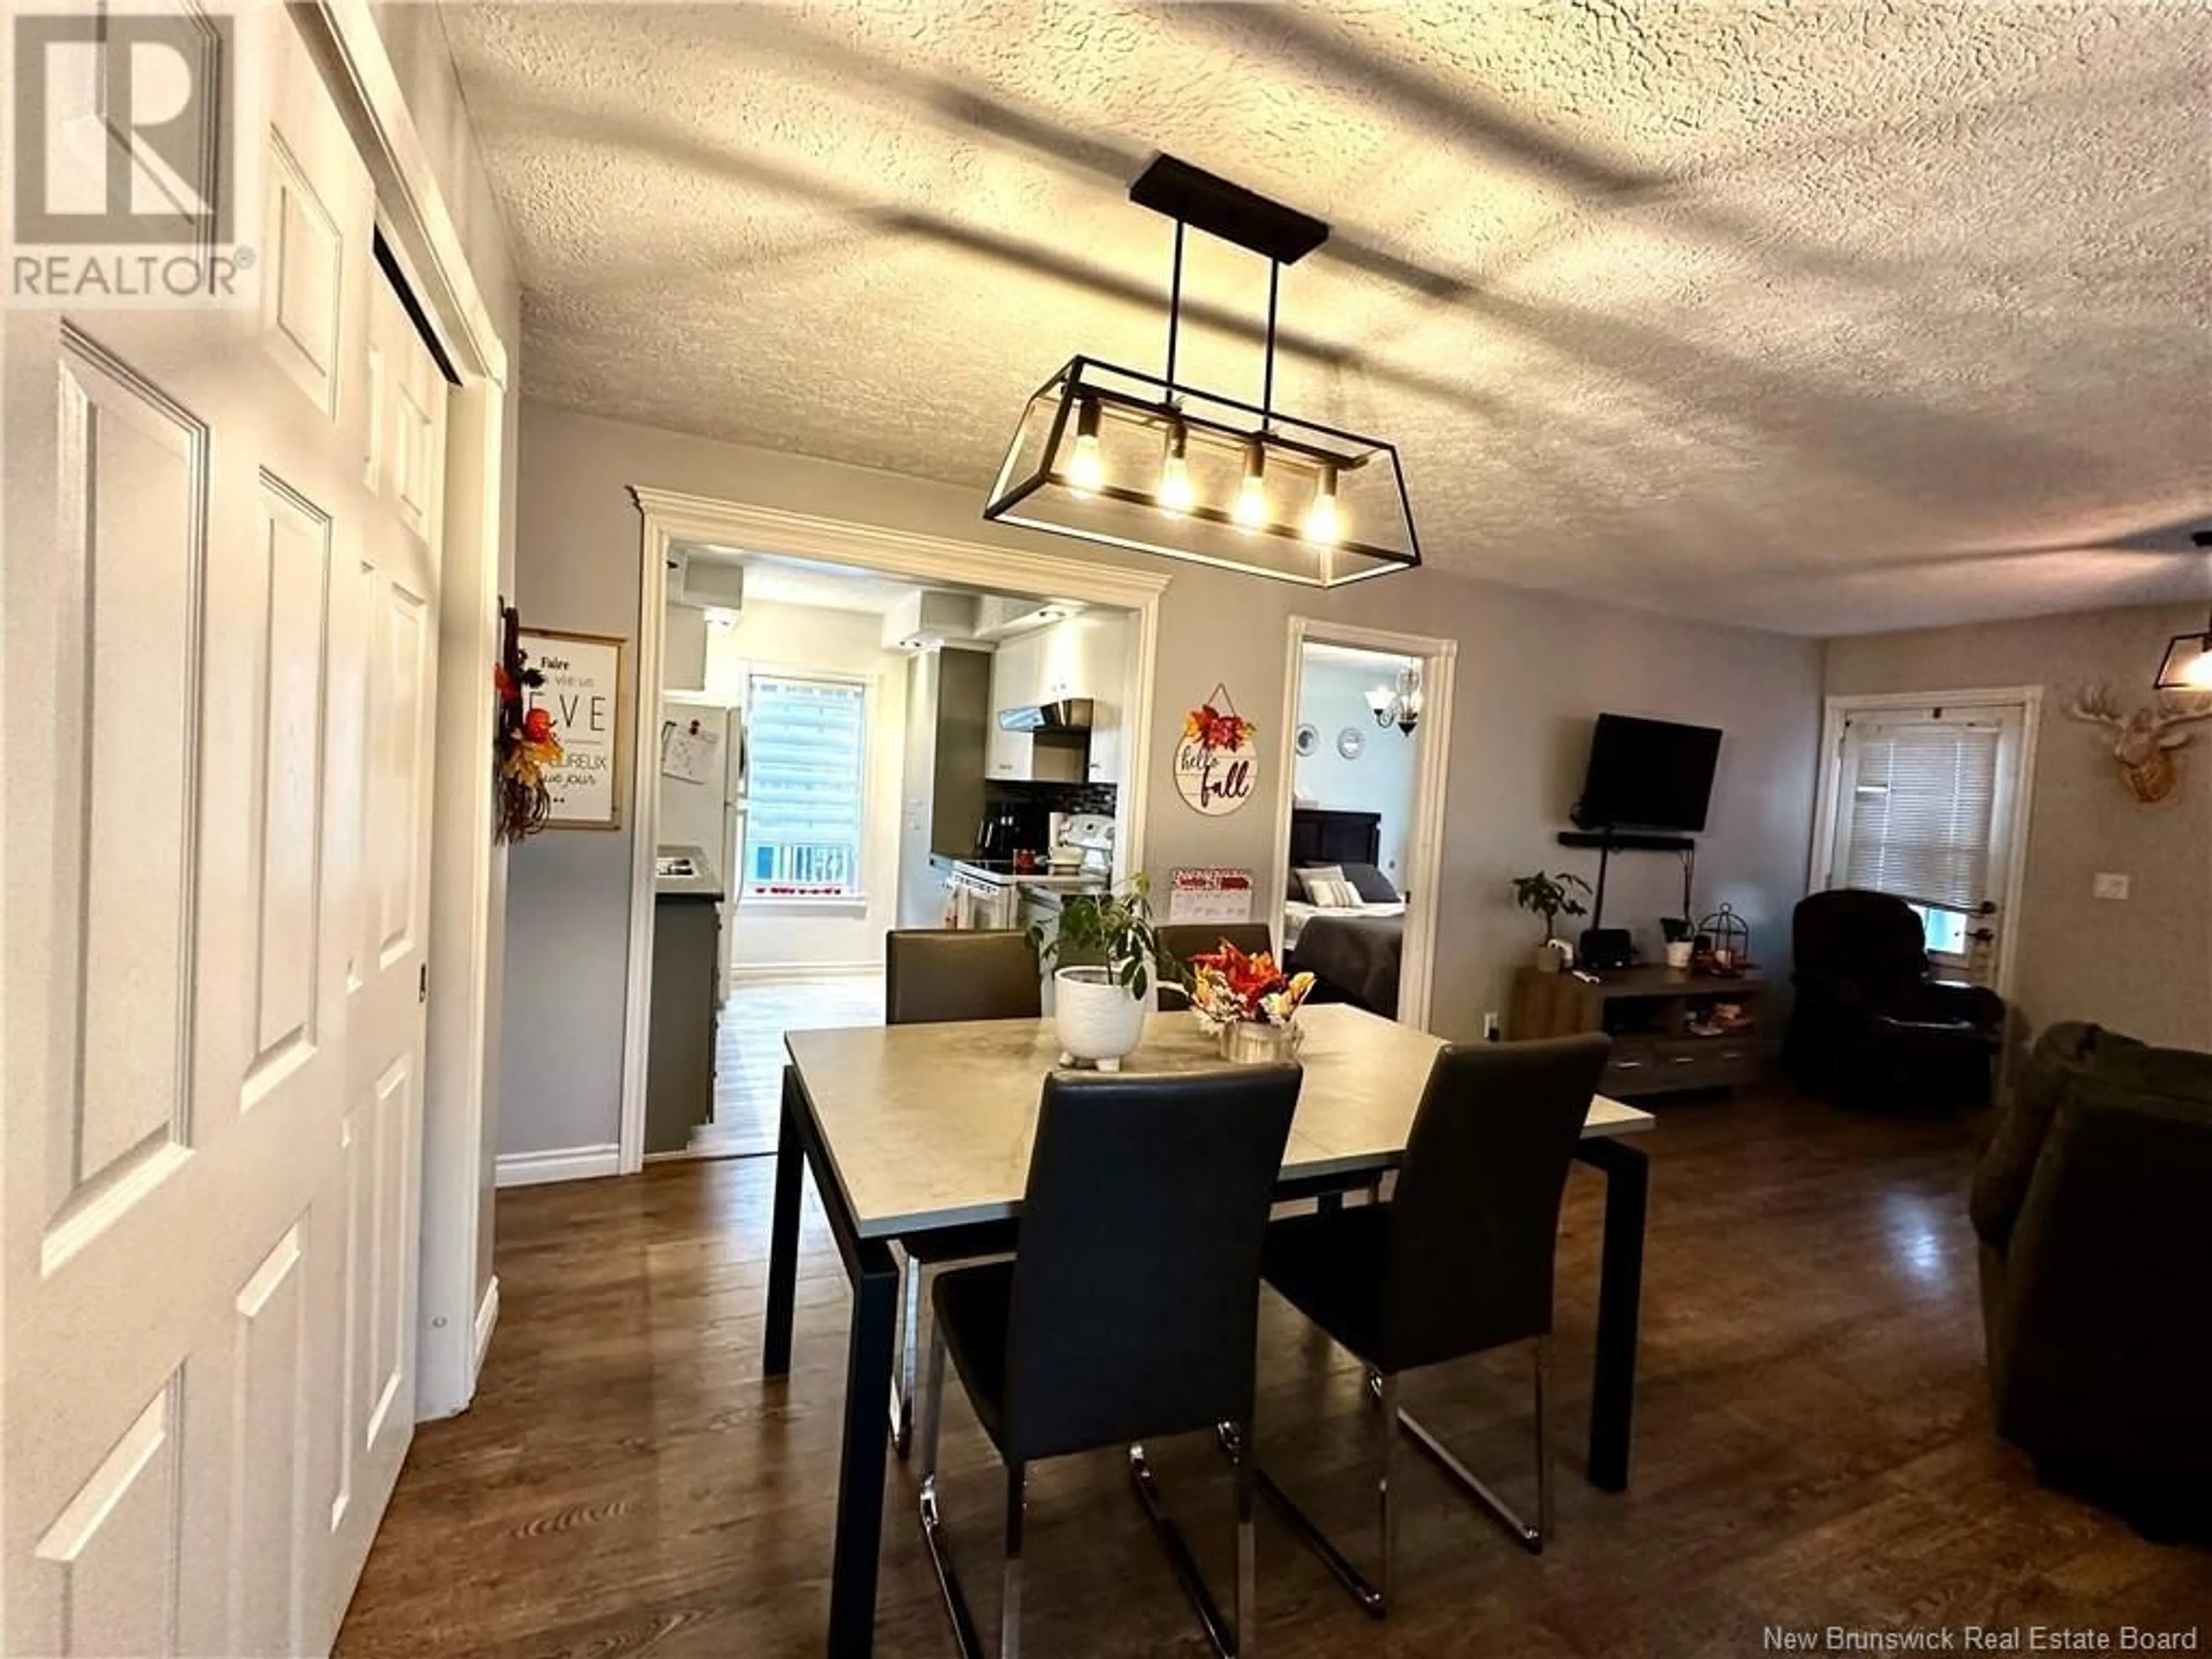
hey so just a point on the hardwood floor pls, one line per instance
(749, 1053)
(1813, 1447)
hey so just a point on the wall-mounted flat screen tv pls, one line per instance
(1648, 775)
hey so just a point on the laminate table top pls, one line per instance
(930, 1126)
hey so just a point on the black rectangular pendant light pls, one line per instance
(1128, 459)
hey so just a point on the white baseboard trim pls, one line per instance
(558, 1164)
(487, 1317)
(756, 973)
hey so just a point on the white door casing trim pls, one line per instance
(463, 962)
(1439, 659)
(673, 520)
(2029, 699)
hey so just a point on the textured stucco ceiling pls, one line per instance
(1822, 318)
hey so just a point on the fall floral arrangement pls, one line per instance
(523, 743)
(1210, 728)
(1227, 987)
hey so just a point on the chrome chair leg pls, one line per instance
(934, 1534)
(1010, 1600)
(933, 1406)
(909, 1340)
(1218, 1632)
(1386, 1513)
(1248, 1591)
(1309, 1534)
(1543, 1444)
(1530, 1538)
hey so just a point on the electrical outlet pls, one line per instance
(2109, 884)
(1492, 1031)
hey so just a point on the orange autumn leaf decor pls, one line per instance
(524, 743)
(1227, 985)
(1217, 729)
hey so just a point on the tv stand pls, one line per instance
(1650, 1013)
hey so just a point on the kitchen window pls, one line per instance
(807, 747)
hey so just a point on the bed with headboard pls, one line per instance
(1346, 928)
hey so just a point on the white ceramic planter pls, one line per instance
(1097, 1019)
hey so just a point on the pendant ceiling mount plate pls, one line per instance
(1206, 201)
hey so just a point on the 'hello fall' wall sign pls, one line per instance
(1217, 763)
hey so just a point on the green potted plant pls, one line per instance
(1110, 957)
(1550, 897)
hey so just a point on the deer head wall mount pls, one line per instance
(2145, 744)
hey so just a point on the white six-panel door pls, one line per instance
(221, 594)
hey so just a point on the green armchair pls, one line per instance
(2092, 1203)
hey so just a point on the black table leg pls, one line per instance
(1620, 1301)
(860, 1472)
(783, 1235)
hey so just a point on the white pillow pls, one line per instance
(1303, 878)
(1332, 895)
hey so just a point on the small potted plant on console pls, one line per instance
(1551, 898)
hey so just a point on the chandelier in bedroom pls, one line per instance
(1145, 462)
(1402, 706)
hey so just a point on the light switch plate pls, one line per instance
(2109, 884)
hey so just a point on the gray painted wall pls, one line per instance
(1534, 673)
(2143, 966)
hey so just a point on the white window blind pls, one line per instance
(808, 756)
(1923, 794)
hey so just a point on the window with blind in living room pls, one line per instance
(1922, 813)
(807, 752)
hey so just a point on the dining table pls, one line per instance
(910, 1129)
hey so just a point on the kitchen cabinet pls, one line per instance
(679, 1069)
(683, 649)
(1102, 673)
(1085, 656)
(1017, 678)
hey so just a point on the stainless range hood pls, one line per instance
(1070, 716)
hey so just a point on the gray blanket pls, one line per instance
(1356, 956)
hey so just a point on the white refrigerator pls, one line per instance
(702, 792)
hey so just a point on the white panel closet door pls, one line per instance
(220, 633)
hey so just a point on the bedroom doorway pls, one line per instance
(1366, 746)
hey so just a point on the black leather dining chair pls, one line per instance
(1458, 1261)
(1130, 1311)
(932, 975)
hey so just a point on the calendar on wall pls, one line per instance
(1209, 897)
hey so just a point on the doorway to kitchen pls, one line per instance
(1367, 736)
(907, 733)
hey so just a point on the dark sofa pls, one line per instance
(2093, 1205)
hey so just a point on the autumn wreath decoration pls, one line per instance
(523, 743)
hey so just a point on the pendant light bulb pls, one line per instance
(1175, 494)
(1086, 466)
(1251, 509)
(1322, 524)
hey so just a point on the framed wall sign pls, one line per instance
(583, 675)
(1217, 761)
